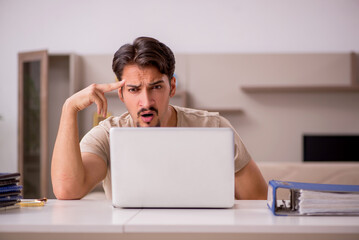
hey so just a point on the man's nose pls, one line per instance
(146, 100)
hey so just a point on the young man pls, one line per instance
(145, 72)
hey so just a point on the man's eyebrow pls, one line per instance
(133, 86)
(157, 82)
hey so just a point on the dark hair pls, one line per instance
(144, 51)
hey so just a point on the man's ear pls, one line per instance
(173, 86)
(120, 94)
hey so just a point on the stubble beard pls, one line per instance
(157, 125)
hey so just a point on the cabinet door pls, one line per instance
(32, 138)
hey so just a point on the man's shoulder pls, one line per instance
(189, 117)
(117, 121)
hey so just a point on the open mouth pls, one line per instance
(147, 117)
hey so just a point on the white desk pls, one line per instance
(97, 219)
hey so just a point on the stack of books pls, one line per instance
(10, 190)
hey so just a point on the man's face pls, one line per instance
(146, 94)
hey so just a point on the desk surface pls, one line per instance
(98, 216)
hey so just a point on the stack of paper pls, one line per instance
(310, 202)
(10, 191)
(313, 199)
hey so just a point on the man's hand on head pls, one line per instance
(95, 93)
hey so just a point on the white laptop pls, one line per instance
(172, 167)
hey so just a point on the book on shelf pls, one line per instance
(313, 199)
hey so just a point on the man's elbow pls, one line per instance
(64, 193)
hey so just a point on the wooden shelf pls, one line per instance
(353, 86)
(225, 110)
(299, 89)
(221, 110)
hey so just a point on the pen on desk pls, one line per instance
(32, 203)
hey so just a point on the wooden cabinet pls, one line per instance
(45, 81)
(319, 65)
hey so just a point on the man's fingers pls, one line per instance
(107, 87)
(103, 109)
(96, 99)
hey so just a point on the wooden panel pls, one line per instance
(59, 86)
(75, 73)
(291, 89)
(343, 86)
(213, 79)
(354, 69)
(42, 57)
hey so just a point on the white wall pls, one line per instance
(203, 26)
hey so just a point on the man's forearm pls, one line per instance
(67, 170)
